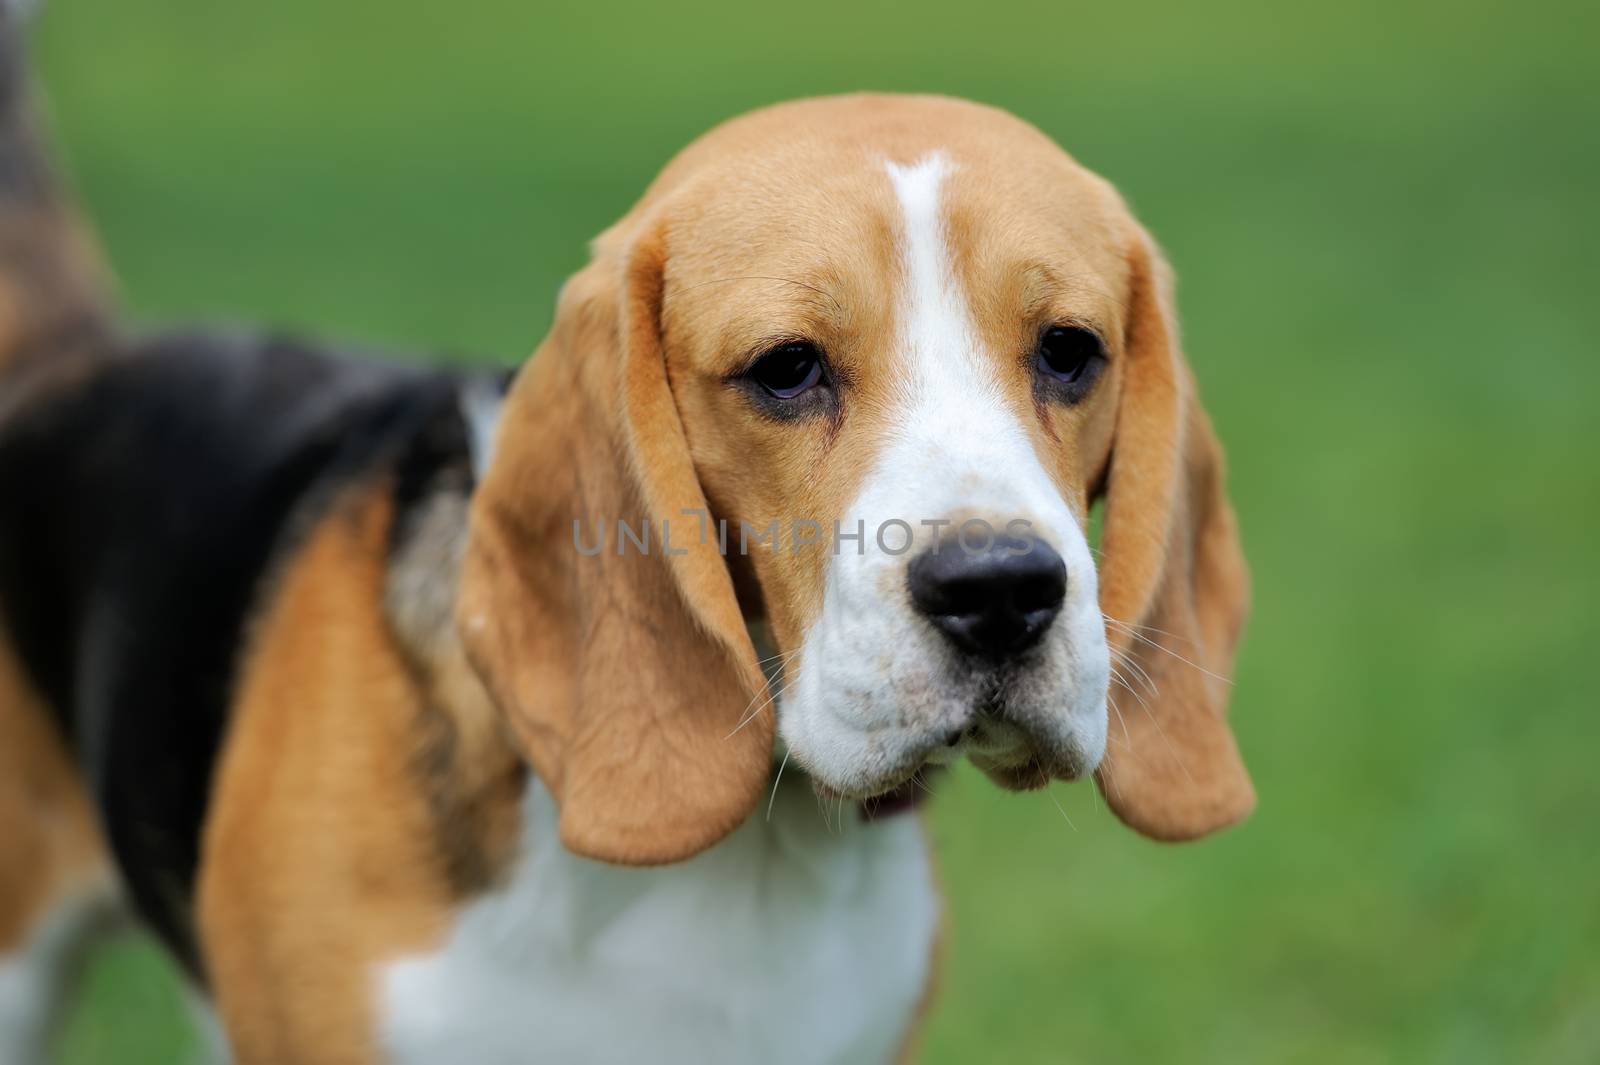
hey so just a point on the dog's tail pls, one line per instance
(54, 305)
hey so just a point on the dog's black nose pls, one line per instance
(994, 601)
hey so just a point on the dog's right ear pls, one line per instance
(623, 673)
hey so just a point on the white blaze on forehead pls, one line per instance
(955, 425)
(935, 319)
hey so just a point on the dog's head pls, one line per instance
(853, 372)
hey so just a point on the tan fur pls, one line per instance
(52, 845)
(321, 852)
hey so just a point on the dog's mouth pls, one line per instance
(897, 800)
(1008, 754)
(986, 736)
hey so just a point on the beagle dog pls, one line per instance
(426, 717)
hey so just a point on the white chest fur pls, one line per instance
(791, 941)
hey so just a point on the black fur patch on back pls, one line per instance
(141, 512)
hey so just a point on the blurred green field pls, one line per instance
(1384, 219)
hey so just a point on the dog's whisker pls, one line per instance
(1140, 672)
(1127, 739)
(776, 780)
(1162, 732)
(781, 656)
(1120, 678)
(822, 808)
(1060, 809)
(774, 693)
(1122, 658)
(1146, 628)
(1131, 690)
(1167, 650)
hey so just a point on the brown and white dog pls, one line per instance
(800, 479)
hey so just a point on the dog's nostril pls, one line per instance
(995, 602)
(1040, 595)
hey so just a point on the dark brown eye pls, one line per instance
(788, 370)
(1067, 362)
(1065, 352)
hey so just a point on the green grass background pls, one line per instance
(1384, 221)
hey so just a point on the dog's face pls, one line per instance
(896, 347)
(906, 352)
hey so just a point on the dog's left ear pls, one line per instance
(623, 673)
(1173, 585)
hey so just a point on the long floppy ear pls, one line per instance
(1173, 585)
(621, 673)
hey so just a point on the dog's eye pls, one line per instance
(1065, 351)
(789, 369)
(1068, 361)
